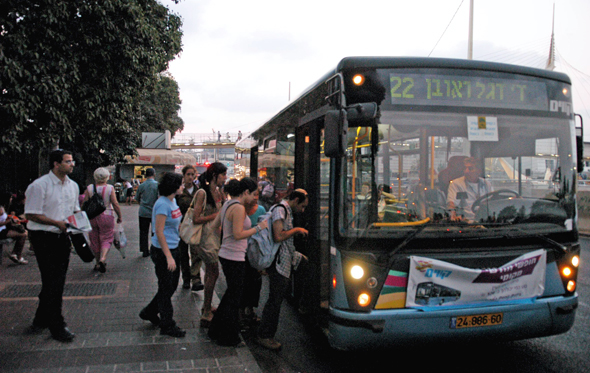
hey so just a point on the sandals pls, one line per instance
(206, 321)
(100, 267)
(18, 260)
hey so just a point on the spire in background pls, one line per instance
(551, 59)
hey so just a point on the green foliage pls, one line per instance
(77, 73)
(159, 108)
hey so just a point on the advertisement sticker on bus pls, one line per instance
(435, 283)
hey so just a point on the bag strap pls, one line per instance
(228, 204)
(192, 205)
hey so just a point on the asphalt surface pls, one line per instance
(102, 310)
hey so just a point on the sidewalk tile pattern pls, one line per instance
(102, 310)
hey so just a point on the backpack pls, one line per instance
(94, 205)
(262, 249)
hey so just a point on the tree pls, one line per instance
(75, 73)
(159, 109)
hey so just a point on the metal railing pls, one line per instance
(196, 138)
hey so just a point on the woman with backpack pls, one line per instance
(235, 229)
(103, 226)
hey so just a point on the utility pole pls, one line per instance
(470, 41)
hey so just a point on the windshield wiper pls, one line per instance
(554, 244)
(409, 237)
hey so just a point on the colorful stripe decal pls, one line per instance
(393, 294)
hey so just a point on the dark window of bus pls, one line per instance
(276, 165)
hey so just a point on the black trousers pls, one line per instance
(52, 251)
(278, 287)
(252, 286)
(225, 326)
(144, 232)
(167, 283)
(185, 262)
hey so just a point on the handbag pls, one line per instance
(191, 233)
(94, 205)
(82, 247)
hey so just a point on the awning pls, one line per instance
(160, 156)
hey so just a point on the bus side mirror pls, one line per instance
(336, 126)
(364, 111)
(335, 133)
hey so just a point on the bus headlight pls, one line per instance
(364, 299)
(357, 272)
(358, 79)
(575, 261)
(571, 286)
(566, 271)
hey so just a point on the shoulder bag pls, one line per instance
(190, 233)
(94, 205)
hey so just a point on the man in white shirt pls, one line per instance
(50, 200)
(465, 190)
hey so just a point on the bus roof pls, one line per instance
(377, 62)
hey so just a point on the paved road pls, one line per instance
(102, 309)
(306, 350)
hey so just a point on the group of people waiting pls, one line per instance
(228, 213)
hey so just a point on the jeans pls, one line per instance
(52, 251)
(225, 326)
(167, 284)
(144, 231)
(278, 286)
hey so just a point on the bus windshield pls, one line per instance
(412, 168)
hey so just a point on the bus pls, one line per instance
(376, 143)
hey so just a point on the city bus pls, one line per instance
(376, 143)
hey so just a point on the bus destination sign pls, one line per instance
(459, 90)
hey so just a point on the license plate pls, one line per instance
(475, 321)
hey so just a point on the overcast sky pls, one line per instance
(240, 58)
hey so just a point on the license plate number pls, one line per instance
(475, 321)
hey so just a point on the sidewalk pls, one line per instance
(102, 310)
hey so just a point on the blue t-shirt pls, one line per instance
(165, 206)
(254, 217)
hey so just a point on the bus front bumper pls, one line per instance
(382, 328)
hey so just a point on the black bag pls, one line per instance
(94, 206)
(82, 247)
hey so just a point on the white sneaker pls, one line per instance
(23, 261)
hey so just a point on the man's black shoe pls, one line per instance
(186, 285)
(35, 329)
(173, 331)
(154, 319)
(146, 254)
(197, 286)
(63, 335)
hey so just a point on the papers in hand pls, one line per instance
(79, 223)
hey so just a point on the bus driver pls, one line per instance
(465, 190)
